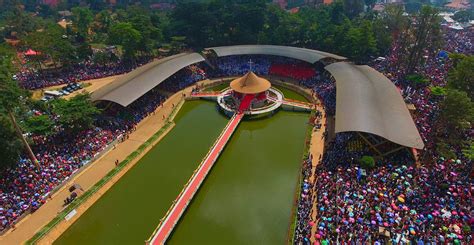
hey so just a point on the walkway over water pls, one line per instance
(293, 103)
(167, 224)
(296, 103)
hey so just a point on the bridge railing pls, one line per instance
(189, 180)
(298, 102)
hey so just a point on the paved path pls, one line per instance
(179, 206)
(316, 149)
(299, 104)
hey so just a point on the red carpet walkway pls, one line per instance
(245, 103)
(180, 204)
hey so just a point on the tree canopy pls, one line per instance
(75, 114)
(463, 16)
(423, 35)
(11, 96)
(457, 114)
(82, 18)
(141, 31)
(39, 125)
(461, 77)
(10, 144)
(127, 36)
(52, 42)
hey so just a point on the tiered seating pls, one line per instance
(296, 71)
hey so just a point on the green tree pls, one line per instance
(102, 21)
(52, 42)
(463, 16)
(422, 36)
(456, 58)
(46, 11)
(193, 21)
(10, 99)
(367, 162)
(102, 57)
(360, 42)
(418, 80)
(81, 19)
(370, 3)
(39, 125)
(178, 43)
(394, 19)
(353, 8)
(280, 27)
(457, 114)
(128, 37)
(97, 4)
(10, 145)
(382, 36)
(20, 22)
(75, 114)
(461, 77)
(84, 51)
(445, 150)
(141, 21)
(469, 151)
(438, 91)
(219, 22)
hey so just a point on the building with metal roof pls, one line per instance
(367, 101)
(128, 88)
(308, 55)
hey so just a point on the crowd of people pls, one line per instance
(24, 188)
(298, 71)
(33, 79)
(237, 65)
(325, 89)
(399, 203)
(459, 41)
(396, 202)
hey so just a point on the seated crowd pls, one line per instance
(32, 79)
(396, 202)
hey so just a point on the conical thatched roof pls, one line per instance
(250, 84)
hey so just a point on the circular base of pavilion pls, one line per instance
(229, 105)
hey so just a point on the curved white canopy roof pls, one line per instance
(128, 88)
(308, 55)
(367, 101)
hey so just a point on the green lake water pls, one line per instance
(129, 212)
(290, 94)
(246, 199)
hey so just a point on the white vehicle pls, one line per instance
(52, 93)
